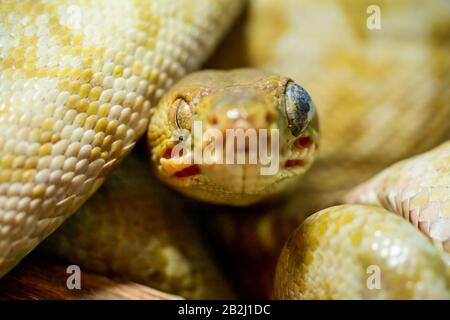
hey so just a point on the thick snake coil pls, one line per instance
(77, 81)
(417, 189)
(358, 239)
(334, 253)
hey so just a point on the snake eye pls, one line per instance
(183, 114)
(299, 108)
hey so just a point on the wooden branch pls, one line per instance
(37, 278)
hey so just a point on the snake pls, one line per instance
(106, 86)
(408, 266)
(416, 189)
(364, 237)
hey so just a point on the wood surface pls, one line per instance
(38, 278)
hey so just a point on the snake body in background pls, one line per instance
(9, 162)
(134, 227)
(417, 189)
(381, 96)
(77, 81)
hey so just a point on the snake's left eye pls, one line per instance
(183, 114)
(299, 108)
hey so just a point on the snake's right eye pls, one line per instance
(183, 114)
(299, 108)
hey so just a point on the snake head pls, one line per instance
(233, 137)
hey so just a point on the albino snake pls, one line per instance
(75, 96)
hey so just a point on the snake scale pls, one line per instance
(75, 97)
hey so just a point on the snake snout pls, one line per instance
(238, 110)
(250, 135)
(243, 120)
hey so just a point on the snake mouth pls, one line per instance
(299, 156)
(291, 163)
(300, 153)
(188, 172)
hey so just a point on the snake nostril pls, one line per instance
(213, 120)
(270, 118)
